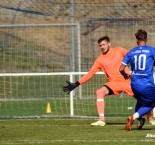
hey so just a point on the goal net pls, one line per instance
(44, 43)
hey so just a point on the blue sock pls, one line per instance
(137, 107)
(144, 110)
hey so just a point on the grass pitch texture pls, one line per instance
(70, 131)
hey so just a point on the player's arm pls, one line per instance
(124, 63)
(71, 86)
(122, 71)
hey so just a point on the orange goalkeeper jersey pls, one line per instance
(109, 63)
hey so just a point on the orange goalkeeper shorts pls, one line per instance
(119, 86)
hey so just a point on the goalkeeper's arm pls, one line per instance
(70, 86)
(85, 78)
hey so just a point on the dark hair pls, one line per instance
(141, 35)
(106, 38)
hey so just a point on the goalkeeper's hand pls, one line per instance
(70, 86)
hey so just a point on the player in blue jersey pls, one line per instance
(141, 60)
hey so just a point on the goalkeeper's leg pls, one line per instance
(100, 94)
(100, 104)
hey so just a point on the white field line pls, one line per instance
(28, 141)
(48, 125)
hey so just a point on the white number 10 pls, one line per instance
(140, 62)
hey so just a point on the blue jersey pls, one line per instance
(141, 60)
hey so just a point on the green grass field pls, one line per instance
(116, 106)
(72, 131)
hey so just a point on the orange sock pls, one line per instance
(100, 104)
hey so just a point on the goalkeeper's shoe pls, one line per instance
(140, 123)
(99, 123)
(151, 121)
(129, 123)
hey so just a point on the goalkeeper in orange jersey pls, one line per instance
(109, 62)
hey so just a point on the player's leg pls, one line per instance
(146, 96)
(140, 120)
(150, 118)
(142, 111)
(110, 88)
(100, 94)
(149, 93)
(149, 115)
(127, 89)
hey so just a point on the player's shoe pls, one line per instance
(151, 121)
(99, 123)
(140, 123)
(129, 123)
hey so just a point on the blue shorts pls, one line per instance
(144, 93)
